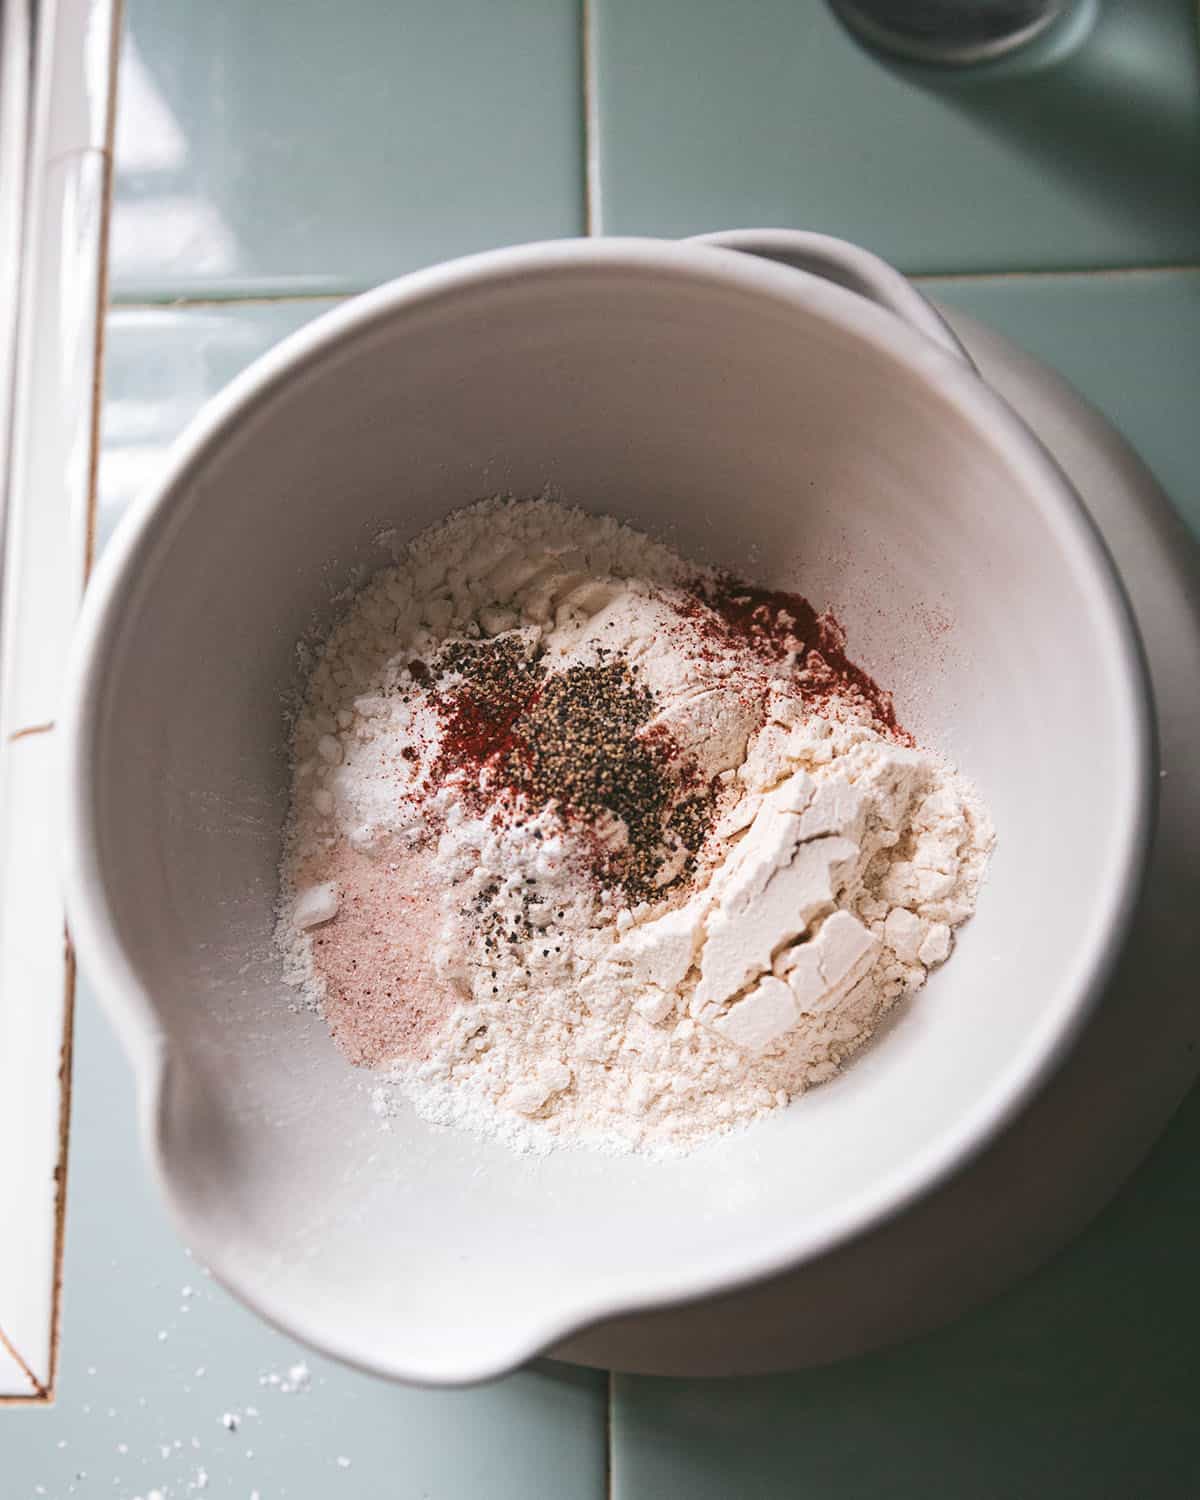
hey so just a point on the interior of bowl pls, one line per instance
(758, 421)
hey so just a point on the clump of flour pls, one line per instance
(590, 844)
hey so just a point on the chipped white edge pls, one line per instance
(54, 253)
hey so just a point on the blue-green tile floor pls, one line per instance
(308, 147)
(271, 155)
(167, 1384)
(710, 115)
(1079, 1384)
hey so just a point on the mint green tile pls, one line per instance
(160, 366)
(710, 115)
(299, 145)
(1080, 1384)
(1130, 342)
(165, 1382)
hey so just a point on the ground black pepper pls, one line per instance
(580, 739)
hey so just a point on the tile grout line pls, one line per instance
(66, 1060)
(591, 159)
(40, 1392)
(186, 303)
(608, 1436)
(250, 299)
(1059, 273)
(29, 730)
(115, 39)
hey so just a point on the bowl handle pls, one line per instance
(848, 266)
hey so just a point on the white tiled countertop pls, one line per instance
(47, 468)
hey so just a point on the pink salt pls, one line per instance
(383, 997)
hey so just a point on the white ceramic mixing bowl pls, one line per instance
(758, 417)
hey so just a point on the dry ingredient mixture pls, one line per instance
(590, 843)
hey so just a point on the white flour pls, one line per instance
(512, 991)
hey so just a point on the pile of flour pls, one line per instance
(457, 934)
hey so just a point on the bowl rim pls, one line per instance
(147, 527)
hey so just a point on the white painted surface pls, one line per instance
(33, 983)
(47, 475)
